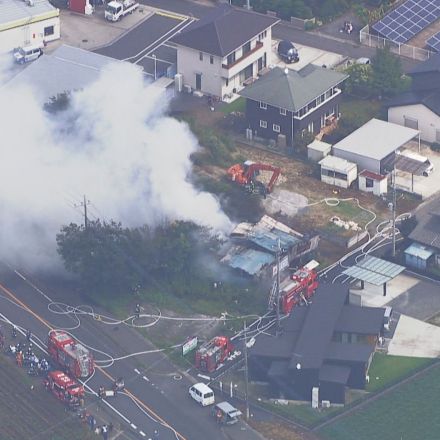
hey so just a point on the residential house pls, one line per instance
(219, 53)
(285, 102)
(328, 344)
(427, 232)
(420, 107)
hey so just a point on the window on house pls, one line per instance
(263, 105)
(263, 124)
(283, 111)
(369, 183)
(211, 59)
(411, 122)
(246, 48)
(231, 58)
(310, 127)
(276, 128)
(227, 82)
(49, 30)
(201, 56)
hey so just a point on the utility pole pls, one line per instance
(278, 286)
(248, 5)
(84, 204)
(394, 212)
(246, 373)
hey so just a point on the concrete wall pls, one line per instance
(429, 122)
(32, 33)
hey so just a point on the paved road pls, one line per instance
(281, 31)
(156, 390)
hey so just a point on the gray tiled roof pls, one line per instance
(293, 90)
(223, 30)
(427, 230)
(13, 10)
(429, 99)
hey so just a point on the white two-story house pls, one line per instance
(224, 49)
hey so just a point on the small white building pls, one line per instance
(372, 182)
(337, 171)
(30, 22)
(317, 150)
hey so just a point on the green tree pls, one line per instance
(360, 79)
(387, 77)
(302, 139)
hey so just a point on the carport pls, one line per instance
(375, 271)
(373, 146)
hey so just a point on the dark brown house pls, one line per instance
(285, 102)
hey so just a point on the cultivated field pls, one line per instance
(33, 413)
(408, 413)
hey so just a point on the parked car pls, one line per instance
(288, 52)
(28, 53)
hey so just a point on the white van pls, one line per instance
(387, 318)
(28, 53)
(202, 394)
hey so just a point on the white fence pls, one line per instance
(404, 50)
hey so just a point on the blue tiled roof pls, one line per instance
(251, 261)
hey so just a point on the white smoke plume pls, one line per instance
(115, 144)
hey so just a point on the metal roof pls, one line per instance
(319, 146)
(337, 164)
(409, 165)
(66, 69)
(376, 139)
(374, 270)
(15, 10)
(419, 251)
(251, 261)
(268, 240)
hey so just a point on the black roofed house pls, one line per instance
(227, 47)
(328, 344)
(286, 102)
(426, 236)
(419, 108)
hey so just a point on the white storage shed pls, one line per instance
(337, 171)
(318, 150)
(372, 147)
(372, 182)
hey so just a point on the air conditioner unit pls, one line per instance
(326, 403)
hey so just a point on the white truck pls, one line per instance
(116, 9)
(429, 167)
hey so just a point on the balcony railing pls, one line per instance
(259, 45)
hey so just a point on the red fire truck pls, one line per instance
(298, 287)
(213, 353)
(64, 388)
(72, 356)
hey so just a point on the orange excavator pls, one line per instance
(246, 175)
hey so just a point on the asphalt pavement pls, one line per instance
(157, 393)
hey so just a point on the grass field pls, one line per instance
(33, 413)
(386, 369)
(408, 413)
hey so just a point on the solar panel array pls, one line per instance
(434, 42)
(408, 20)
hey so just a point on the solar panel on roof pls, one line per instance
(412, 16)
(434, 42)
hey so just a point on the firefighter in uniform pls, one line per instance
(137, 311)
(19, 359)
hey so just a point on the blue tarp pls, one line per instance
(268, 240)
(419, 251)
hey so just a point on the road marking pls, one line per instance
(135, 398)
(146, 378)
(20, 275)
(142, 433)
(137, 371)
(202, 376)
(133, 426)
(169, 15)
